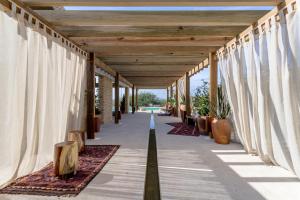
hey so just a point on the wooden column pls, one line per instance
(213, 86)
(176, 98)
(136, 99)
(187, 94)
(117, 98)
(168, 94)
(126, 99)
(90, 97)
(132, 100)
(171, 91)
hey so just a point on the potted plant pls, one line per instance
(182, 103)
(98, 114)
(201, 104)
(123, 105)
(221, 129)
(97, 119)
(172, 103)
(182, 108)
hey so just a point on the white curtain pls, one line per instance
(262, 81)
(42, 86)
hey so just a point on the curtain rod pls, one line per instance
(18, 8)
(260, 24)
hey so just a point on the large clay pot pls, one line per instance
(203, 125)
(97, 124)
(182, 107)
(221, 131)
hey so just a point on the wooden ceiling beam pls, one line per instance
(153, 51)
(151, 18)
(151, 41)
(150, 31)
(150, 2)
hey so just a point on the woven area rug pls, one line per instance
(183, 129)
(44, 183)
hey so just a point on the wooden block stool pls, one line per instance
(79, 137)
(65, 158)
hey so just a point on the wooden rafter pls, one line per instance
(150, 2)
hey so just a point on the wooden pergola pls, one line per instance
(147, 49)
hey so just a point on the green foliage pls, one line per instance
(222, 109)
(182, 100)
(201, 99)
(148, 98)
(172, 101)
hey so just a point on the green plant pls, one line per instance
(222, 109)
(123, 104)
(201, 99)
(182, 100)
(172, 102)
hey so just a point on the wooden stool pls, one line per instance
(65, 158)
(79, 137)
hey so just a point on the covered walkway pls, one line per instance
(189, 167)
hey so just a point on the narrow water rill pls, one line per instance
(152, 188)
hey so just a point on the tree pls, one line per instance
(148, 99)
(201, 99)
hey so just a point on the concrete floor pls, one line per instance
(190, 168)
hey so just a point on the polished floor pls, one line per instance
(190, 168)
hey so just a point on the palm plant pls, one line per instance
(221, 109)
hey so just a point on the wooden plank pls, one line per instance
(5, 5)
(150, 2)
(176, 97)
(126, 100)
(90, 96)
(150, 31)
(153, 51)
(132, 99)
(117, 98)
(187, 94)
(150, 18)
(136, 99)
(158, 67)
(151, 41)
(213, 84)
(172, 60)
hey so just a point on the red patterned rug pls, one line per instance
(183, 129)
(43, 182)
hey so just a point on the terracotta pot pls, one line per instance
(97, 124)
(221, 131)
(182, 107)
(203, 125)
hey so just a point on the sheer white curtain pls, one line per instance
(42, 86)
(261, 79)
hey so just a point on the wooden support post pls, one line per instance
(90, 95)
(136, 99)
(117, 98)
(176, 98)
(126, 100)
(132, 100)
(168, 94)
(213, 86)
(187, 94)
(171, 91)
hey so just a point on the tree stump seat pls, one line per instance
(65, 158)
(79, 137)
